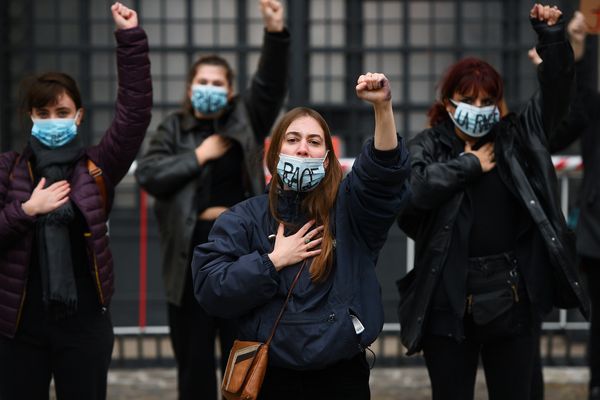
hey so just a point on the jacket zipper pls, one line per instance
(98, 285)
(96, 272)
(22, 304)
(20, 313)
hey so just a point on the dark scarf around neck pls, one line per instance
(59, 291)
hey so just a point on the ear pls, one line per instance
(230, 93)
(79, 118)
(448, 106)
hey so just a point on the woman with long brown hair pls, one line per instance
(311, 217)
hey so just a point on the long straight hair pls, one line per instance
(319, 202)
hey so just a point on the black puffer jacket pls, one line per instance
(439, 177)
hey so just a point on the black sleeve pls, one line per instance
(264, 98)
(164, 170)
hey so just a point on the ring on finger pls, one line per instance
(306, 240)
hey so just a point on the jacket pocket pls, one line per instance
(310, 340)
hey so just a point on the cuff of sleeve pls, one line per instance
(17, 210)
(283, 35)
(130, 34)
(271, 268)
(386, 157)
(549, 34)
(192, 161)
(473, 169)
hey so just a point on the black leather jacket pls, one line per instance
(584, 122)
(440, 175)
(170, 172)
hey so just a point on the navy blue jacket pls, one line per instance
(233, 277)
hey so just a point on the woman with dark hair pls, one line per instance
(56, 269)
(310, 218)
(493, 252)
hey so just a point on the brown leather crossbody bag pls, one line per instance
(247, 362)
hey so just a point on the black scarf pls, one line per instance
(59, 292)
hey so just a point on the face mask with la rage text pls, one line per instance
(474, 121)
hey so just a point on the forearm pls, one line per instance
(14, 221)
(434, 183)
(165, 175)
(231, 289)
(385, 127)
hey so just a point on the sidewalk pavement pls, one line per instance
(386, 384)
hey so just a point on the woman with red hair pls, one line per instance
(493, 253)
(318, 230)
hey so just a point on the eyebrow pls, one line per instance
(310, 135)
(57, 109)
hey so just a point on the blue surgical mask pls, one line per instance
(54, 132)
(301, 174)
(474, 121)
(208, 99)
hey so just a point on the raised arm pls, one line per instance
(549, 106)
(375, 89)
(268, 88)
(119, 145)
(373, 193)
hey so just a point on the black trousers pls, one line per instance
(193, 334)
(507, 343)
(345, 380)
(507, 363)
(75, 351)
(537, 384)
(591, 268)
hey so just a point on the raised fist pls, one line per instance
(125, 18)
(272, 12)
(374, 88)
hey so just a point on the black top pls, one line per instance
(495, 213)
(227, 185)
(227, 182)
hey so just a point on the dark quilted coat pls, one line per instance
(114, 154)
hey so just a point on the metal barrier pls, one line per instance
(563, 341)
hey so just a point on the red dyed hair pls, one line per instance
(320, 201)
(468, 76)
